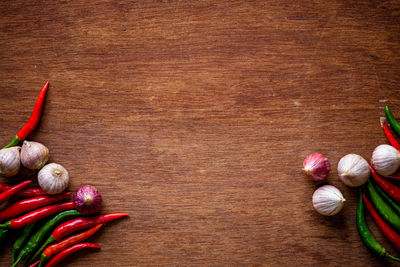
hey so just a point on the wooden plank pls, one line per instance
(195, 116)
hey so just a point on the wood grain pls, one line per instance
(195, 117)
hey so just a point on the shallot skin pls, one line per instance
(87, 199)
(316, 166)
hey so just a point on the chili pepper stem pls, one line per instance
(5, 225)
(14, 142)
(392, 257)
(43, 260)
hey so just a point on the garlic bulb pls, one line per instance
(328, 200)
(53, 178)
(316, 166)
(385, 160)
(10, 161)
(34, 155)
(353, 170)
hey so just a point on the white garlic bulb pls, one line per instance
(353, 170)
(10, 161)
(385, 159)
(328, 200)
(34, 155)
(53, 178)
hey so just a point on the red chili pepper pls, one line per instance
(29, 192)
(68, 251)
(55, 248)
(12, 191)
(382, 225)
(34, 264)
(78, 224)
(4, 187)
(394, 176)
(81, 223)
(392, 140)
(32, 192)
(37, 215)
(26, 205)
(34, 119)
(387, 186)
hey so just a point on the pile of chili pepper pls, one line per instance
(382, 201)
(49, 229)
(43, 220)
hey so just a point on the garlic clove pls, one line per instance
(34, 155)
(53, 178)
(385, 159)
(10, 161)
(316, 166)
(353, 170)
(328, 200)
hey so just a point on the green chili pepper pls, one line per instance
(392, 121)
(75, 225)
(36, 239)
(388, 199)
(20, 241)
(3, 235)
(366, 235)
(387, 213)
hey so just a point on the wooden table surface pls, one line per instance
(195, 117)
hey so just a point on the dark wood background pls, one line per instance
(195, 117)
